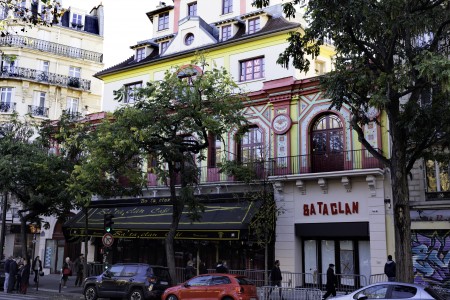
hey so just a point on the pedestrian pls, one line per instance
(24, 277)
(190, 270)
(66, 271)
(221, 267)
(12, 275)
(331, 282)
(37, 268)
(276, 278)
(389, 269)
(202, 268)
(7, 264)
(79, 268)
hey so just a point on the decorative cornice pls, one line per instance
(346, 182)
(372, 183)
(301, 184)
(323, 185)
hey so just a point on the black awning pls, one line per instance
(332, 230)
(224, 220)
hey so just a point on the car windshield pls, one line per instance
(244, 281)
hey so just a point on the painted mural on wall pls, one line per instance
(431, 257)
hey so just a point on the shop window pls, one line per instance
(437, 173)
(252, 69)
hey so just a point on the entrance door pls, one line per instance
(327, 144)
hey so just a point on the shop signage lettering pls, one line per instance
(334, 208)
(162, 234)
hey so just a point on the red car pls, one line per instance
(213, 286)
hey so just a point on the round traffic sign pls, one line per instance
(107, 240)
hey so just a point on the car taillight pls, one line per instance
(152, 280)
(239, 289)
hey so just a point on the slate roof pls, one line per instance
(273, 25)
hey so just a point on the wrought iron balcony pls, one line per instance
(7, 107)
(290, 165)
(38, 111)
(47, 77)
(72, 115)
(55, 48)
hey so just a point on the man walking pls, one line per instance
(389, 269)
(276, 278)
(79, 269)
(7, 264)
(331, 282)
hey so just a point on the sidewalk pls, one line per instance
(49, 286)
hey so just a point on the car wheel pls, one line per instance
(136, 295)
(90, 293)
(171, 297)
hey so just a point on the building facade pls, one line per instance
(47, 71)
(334, 196)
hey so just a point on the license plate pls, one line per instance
(166, 283)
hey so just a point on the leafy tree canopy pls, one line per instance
(391, 55)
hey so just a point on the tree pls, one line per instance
(391, 55)
(49, 13)
(169, 126)
(34, 177)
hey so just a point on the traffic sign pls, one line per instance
(107, 240)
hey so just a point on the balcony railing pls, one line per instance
(38, 111)
(290, 165)
(7, 107)
(47, 77)
(55, 48)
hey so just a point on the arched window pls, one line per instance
(327, 144)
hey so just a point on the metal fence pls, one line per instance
(375, 278)
(275, 293)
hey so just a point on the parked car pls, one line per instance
(213, 286)
(393, 290)
(128, 280)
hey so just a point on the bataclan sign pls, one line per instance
(333, 208)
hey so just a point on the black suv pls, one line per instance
(133, 281)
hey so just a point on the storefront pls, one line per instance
(141, 225)
(340, 220)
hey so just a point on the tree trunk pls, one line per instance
(177, 207)
(402, 219)
(86, 241)
(23, 235)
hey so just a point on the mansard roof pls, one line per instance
(273, 25)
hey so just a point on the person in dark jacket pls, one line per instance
(7, 264)
(12, 275)
(190, 270)
(24, 277)
(331, 282)
(389, 269)
(275, 277)
(37, 268)
(202, 268)
(222, 267)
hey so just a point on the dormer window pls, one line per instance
(140, 54)
(163, 21)
(163, 47)
(77, 21)
(226, 32)
(253, 25)
(192, 9)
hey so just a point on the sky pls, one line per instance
(126, 23)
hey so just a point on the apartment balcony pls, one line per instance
(51, 47)
(38, 111)
(45, 77)
(72, 115)
(7, 107)
(353, 160)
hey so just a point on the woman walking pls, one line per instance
(37, 268)
(66, 271)
(24, 277)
